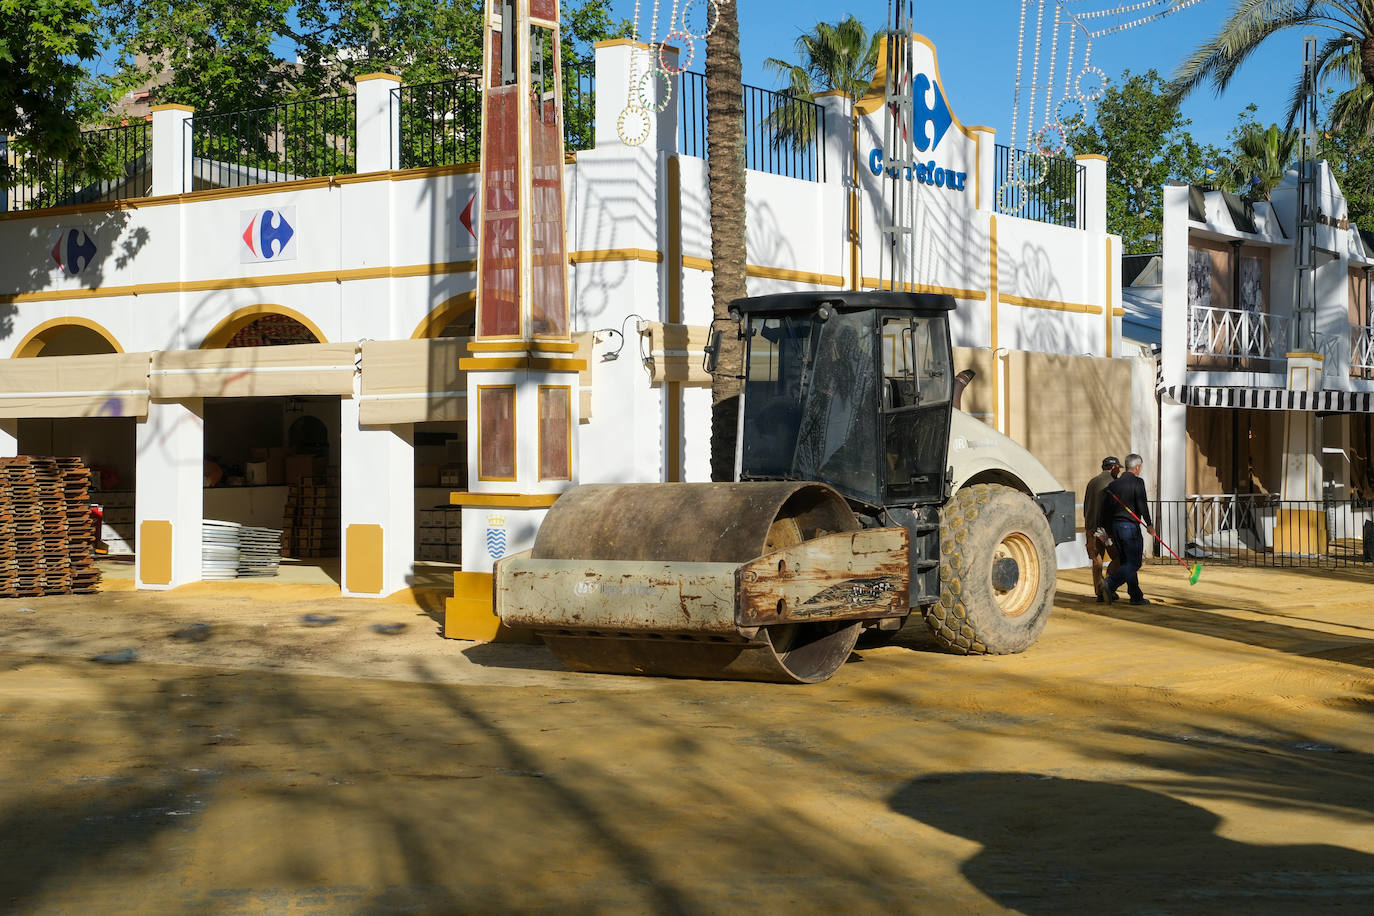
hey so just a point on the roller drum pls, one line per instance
(697, 523)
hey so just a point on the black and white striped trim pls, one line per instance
(1269, 398)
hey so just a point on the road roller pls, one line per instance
(862, 495)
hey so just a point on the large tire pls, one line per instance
(997, 572)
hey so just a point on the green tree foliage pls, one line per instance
(839, 56)
(1349, 151)
(236, 54)
(1259, 156)
(1146, 142)
(1346, 56)
(46, 92)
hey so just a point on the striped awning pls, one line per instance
(1269, 398)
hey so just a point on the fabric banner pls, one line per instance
(245, 372)
(54, 387)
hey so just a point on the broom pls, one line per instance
(1193, 571)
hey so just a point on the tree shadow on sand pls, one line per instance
(1052, 845)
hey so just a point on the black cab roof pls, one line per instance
(924, 303)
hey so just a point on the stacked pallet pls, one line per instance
(310, 522)
(81, 525)
(259, 551)
(46, 546)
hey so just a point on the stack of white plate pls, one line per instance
(219, 550)
(259, 551)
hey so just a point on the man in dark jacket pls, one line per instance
(1124, 496)
(1098, 541)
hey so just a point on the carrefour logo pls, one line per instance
(927, 125)
(267, 235)
(924, 172)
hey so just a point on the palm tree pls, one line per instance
(725, 185)
(1347, 55)
(1260, 158)
(841, 56)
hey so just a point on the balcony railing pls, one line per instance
(1047, 189)
(309, 139)
(112, 164)
(1234, 338)
(1240, 529)
(782, 135)
(1361, 351)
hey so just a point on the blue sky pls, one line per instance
(976, 41)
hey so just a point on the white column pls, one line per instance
(376, 505)
(1173, 418)
(1302, 459)
(1094, 192)
(171, 149)
(378, 122)
(169, 478)
(986, 180)
(614, 95)
(9, 438)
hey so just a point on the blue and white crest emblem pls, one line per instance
(496, 536)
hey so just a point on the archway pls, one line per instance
(67, 336)
(263, 325)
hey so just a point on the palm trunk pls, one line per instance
(725, 183)
(1367, 59)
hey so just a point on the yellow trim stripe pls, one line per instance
(260, 282)
(772, 273)
(1025, 302)
(977, 295)
(516, 363)
(510, 346)
(994, 290)
(605, 255)
(514, 500)
(1108, 301)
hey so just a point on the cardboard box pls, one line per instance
(451, 477)
(432, 552)
(453, 535)
(255, 473)
(298, 467)
(454, 553)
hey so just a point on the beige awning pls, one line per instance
(247, 372)
(675, 352)
(413, 381)
(51, 387)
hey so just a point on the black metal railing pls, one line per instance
(1048, 189)
(783, 135)
(111, 163)
(441, 123)
(309, 139)
(1262, 530)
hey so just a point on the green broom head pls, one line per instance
(1197, 571)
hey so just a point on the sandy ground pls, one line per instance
(1210, 753)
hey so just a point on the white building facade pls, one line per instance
(138, 334)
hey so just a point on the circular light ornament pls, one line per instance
(1011, 197)
(1049, 140)
(644, 92)
(712, 17)
(1070, 108)
(1032, 169)
(1089, 85)
(685, 58)
(633, 125)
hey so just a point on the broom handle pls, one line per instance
(1149, 527)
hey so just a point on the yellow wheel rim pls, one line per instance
(1016, 600)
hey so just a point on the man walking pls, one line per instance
(1125, 493)
(1098, 541)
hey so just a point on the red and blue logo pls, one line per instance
(73, 251)
(268, 235)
